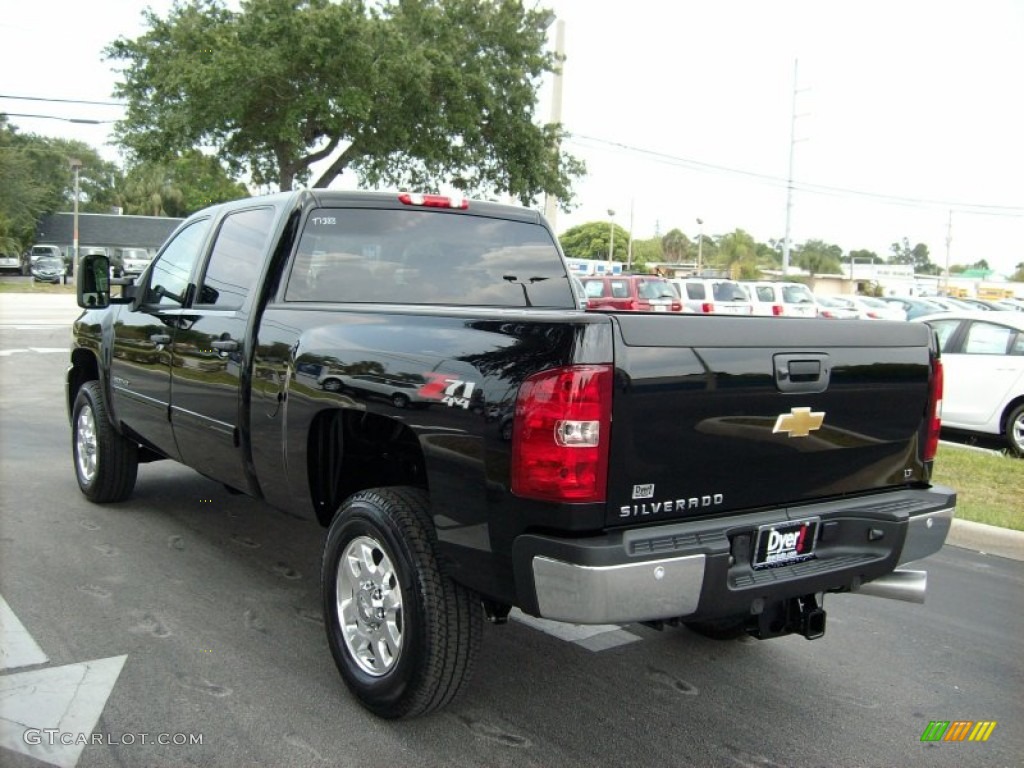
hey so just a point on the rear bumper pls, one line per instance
(702, 570)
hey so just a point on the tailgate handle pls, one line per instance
(801, 372)
(804, 370)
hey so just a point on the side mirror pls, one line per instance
(93, 281)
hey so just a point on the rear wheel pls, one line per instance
(1015, 431)
(403, 634)
(106, 464)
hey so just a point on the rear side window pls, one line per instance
(765, 293)
(426, 257)
(236, 258)
(594, 289)
(695, 291)
(620, 289)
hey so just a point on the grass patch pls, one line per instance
(8, 285)
(990, 487)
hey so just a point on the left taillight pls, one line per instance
(934, 413)
(561, 433)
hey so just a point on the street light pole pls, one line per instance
(76, 164)
(700, 244)
(611, 234)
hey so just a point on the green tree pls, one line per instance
(590, 241)
(737, 254)
(37, 178)
(675, 245)
(178, 187)
(647, 251)
(818, 257)
(416, 93)
(918, 257)
(1018, 276)
(863, 256)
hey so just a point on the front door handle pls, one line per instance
(160, 338)
(225, 345)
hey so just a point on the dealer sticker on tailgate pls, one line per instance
(784, 543)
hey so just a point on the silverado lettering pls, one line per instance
(414, 373)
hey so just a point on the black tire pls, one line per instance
(1015, 431)
(399, 400)
(106, 464)
(332, 385)
(720, 629)
(438, 621)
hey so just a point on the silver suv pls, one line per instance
(713, 296)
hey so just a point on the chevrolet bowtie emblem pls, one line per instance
(799, 422)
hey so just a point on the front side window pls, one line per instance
(426, 257)
(236, 258)
(169, 277)
(594, 289)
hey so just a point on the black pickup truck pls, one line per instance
(413, 372)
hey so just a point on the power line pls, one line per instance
(64, 101)
(81, 120)
(823, 189)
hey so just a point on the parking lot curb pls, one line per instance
(990, 539)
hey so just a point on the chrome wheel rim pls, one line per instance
(1017, 429)
(86, 445)
(369, 605)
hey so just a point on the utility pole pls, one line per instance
(611, 234)
(629, 248)
(949, 242)
(789, 178)
(700, 244)
(550, 201)
(76, 164)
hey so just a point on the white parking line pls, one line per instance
(49, 713)
(17, 648)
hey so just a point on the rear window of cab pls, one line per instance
(409, 256)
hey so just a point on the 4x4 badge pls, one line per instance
(799, 422)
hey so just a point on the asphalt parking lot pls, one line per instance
(188, 612)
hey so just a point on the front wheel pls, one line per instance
(106, 464)
(1015, 431)
(403, 634)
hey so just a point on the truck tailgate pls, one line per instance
(717, 414)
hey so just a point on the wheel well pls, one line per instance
(1004, 422)
(83, 368)
(351, 450)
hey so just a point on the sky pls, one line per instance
(909, 115)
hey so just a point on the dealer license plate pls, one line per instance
(785, 543)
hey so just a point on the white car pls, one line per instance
(836, 308)
(870, 308)
(782, 299)
(983, 362)
(712, 296)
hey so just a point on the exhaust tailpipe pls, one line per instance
(909, 586)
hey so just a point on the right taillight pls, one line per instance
(934, 414)
(561, 433)
(707, 308)
(777, 309)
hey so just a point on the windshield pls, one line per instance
(424, 257)
(730, 292)
(49, 262)
(655, 289)
(797, 294)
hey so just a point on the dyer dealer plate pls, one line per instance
(784, 543)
